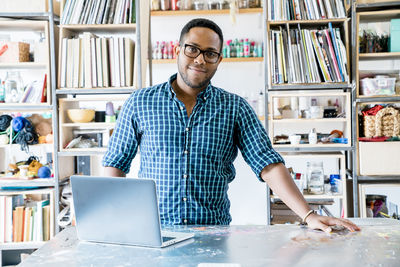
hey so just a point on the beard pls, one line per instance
(195, 85)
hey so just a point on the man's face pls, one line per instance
(196, 72)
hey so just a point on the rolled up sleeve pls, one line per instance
(124, 141)
(253, 140)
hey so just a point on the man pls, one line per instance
(189, 133)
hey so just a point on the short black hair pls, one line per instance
(205, 23)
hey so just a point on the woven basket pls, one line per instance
(385, 123)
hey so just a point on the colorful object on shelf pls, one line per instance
(110, 114)
(44, 172)
(81, 115)
(110, 109)
(386, 122)
(5, 121)
(19, 123)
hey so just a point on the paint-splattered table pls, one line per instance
(378, 244)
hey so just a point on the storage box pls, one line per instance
(23, 6)
(379, 158)
(12, 52)
(380, 85)
(394, 35)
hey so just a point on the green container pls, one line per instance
(394, 35)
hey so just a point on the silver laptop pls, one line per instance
(120, 211)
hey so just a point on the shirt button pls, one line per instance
(184, 221)
(205, 98)
(187, 129)
(185, 176)
(186, 152)
(184, 199)
(181, 107)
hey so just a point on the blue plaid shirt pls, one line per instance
(191, 158)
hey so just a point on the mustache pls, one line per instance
(198, 67)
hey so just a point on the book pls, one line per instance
(104, 55)
(112, 12)
(94, 61)
(111, 61)
(336, 50)
(121, 43)
(39, 219)
(46, 223)
(117, 62)
(76, 60)
(70, 63)
(99, 63)
(81, 63)
(129, 60)
(18, 224)
(64, 63)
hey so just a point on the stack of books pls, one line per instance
(305, 9)
(308, 56)
(99, 12)
(23, 220)
(90, 61)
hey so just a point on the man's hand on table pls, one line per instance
(324, 223)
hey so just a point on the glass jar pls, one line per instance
(14, 87)
(155, 5)
(315, 177)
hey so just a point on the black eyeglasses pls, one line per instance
(193, 52)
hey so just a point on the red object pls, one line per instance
(174, 5)
(3, 49)
(373, 139)
(44, 91)
(372, 111)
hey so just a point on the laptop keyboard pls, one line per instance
(167, 238)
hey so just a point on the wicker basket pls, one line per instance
(385, 123)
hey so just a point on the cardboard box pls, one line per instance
(379, 158)
(13, 52)
(24, 6)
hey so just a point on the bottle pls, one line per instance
(246, 48)
(228, 48)
(312, 137)
(224, 51)
(159, 51)
(155, 50)
(14, 87)
(232, 48)
(164, 50)
(336, 184)
(2, 92)
(259, 50)
(170, 50)
(253, 49)
(315, 177)
(261, 105)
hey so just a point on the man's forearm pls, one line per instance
(280, 181)
(113, 172)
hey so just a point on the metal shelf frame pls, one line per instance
(357, 179)
(269, 87)
(51, 183)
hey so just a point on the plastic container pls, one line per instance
(380, 85)
(315, 177)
